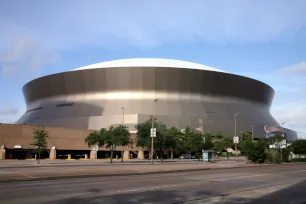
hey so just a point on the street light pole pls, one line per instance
(283, 132)
(152, 140)
(122, 115)
(235, 118)
(252, 132)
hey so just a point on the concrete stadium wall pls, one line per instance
(61, 138)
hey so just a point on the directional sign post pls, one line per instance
(153, 132)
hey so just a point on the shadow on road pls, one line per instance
(157, 196)
(295, 194)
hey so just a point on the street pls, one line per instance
(267, 184)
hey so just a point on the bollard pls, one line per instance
(86, 156)
(156, 157)
(116, 157)
(69, 156)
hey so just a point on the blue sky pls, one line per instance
(265, 40)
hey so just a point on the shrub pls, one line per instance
(298, 160)
(256, 151)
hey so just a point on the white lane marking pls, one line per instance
(146, 189)
(240, 177)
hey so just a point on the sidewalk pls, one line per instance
(46, 162)
(51, 172)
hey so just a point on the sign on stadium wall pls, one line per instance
(271, 131)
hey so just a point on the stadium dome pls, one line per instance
(149, 62)
(189, 94)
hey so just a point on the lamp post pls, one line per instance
(122, 151)
(283, 134)
(152, 141)
(252, 126)
(235, 119)
(122, 115)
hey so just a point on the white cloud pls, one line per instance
(297, 70)
(24, 55)
(8, 110)
(146, 24)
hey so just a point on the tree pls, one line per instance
(299, 147)
(245, 143)
(111, 138)
(95, 138)
(173, 136)
(221, 142)
(277, 141)
(195, 142)
(121, 137)
(144, 136)
(40, 141)
(256, 151)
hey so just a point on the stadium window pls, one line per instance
(64, 104)
(34, 109)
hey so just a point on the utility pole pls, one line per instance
(252, 132)
(122, 115)
(152, 141)
(122, 151)
(283, 134)
(235, 119)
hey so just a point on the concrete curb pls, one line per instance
(105, 164)
(121, 174)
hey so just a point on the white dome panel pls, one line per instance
(149, 62)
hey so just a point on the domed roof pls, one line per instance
(149, 62)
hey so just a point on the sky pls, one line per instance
(264, 40)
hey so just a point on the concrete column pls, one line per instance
(140, 155)
(2, 153)
(86, 156)
(93, 154)
(126, 155)
(52, 154)
(69, 156)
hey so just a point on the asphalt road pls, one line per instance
(268, 184)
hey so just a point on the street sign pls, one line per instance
(236, 139)
(153, 132)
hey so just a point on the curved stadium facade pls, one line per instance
(188, 94)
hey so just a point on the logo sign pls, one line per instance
(236, 139)
(153, 132)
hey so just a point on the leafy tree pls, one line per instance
(246, 135)
(121, 137)
(172, 142)
(208, 142)
(245, 143)
(195, 142)
(299, 147)
(256, 152)
(276, 140)
(144, 135)
(40, 141)
(95, 138)
(221, 142)
(114, 136)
